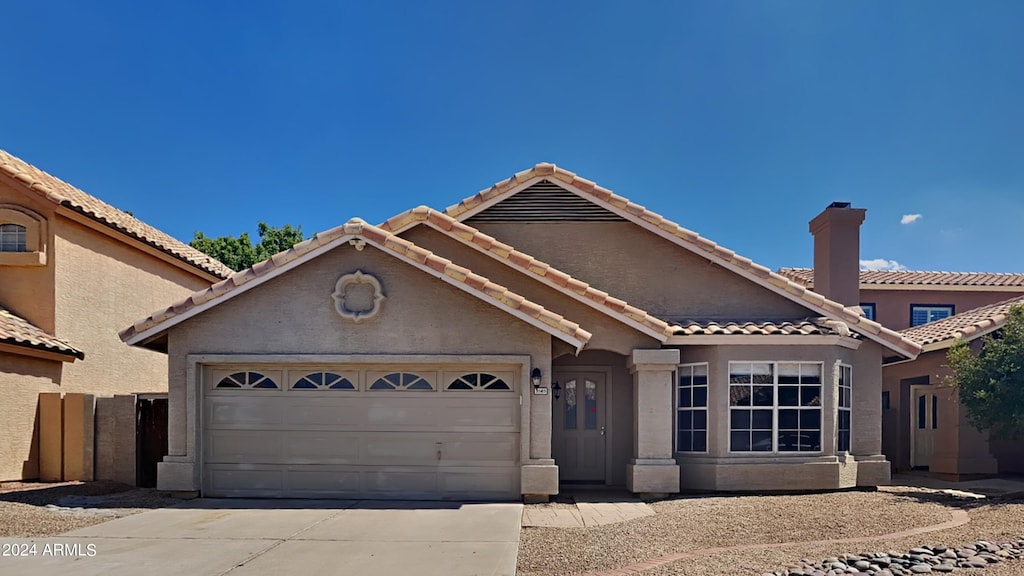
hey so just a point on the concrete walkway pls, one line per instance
(587, 509)
(1003, 487)
(249, 537)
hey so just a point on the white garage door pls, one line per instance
(408, 432)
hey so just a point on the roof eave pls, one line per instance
(41, 351)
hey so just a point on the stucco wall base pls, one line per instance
(538, 480)
(782, 476)
(177, 476)
(873, 471)
(965, 464)
(655, 476)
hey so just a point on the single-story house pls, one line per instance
(900, 299)
(544, 331)
(73, 271)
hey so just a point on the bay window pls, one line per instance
(775, 406)
(692, 408)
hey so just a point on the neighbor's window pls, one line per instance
(692, 408)
(12, 238)
(845, 405)
(923, 314)
(775, 406)
(869, 310)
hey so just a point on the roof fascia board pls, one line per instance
(659, 336)
(120, 236)
(764, 340)
(37, 352)
(712, 257)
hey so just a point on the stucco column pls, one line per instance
(653, 468)
(538, 474)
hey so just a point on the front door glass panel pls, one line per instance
(570, 405)
(590, 417)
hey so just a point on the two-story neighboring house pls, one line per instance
(923, 424)
(73, 271)
(543, 331)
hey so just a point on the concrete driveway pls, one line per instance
(214, 537)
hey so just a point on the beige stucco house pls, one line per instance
(544, 331)
(73, 271)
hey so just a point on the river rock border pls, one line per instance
(921, 560)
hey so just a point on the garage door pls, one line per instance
(409, 432)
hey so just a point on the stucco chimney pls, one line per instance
(837, 252)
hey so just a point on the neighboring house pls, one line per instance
(901, 299)
(543, 331)
(73, 271)
(927, 427)
(923, 426)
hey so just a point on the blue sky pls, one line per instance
(740, 120)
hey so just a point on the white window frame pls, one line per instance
(928, 309)
(775, 407)
(691, 409)
(845, 384)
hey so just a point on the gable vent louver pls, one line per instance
(545, 202)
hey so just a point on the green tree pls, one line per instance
(239, 253)
(991, 383)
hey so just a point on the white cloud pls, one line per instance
(881, 264)
(910, 218)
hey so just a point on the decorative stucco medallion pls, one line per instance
(357, 296)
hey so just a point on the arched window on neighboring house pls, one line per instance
(22, 236)
(12, 238)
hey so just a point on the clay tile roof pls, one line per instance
(689, 240)
(803, 327)
(805, 276)
(359, 233)
(963, 326)
(61, 193)
(17, 331)
(530, 266)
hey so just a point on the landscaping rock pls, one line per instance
(919, 560)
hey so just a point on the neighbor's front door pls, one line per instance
(925, 423)
(578, 423)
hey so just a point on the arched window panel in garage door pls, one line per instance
(484, 380)
(323, 380)
(401, 381)
(247, 379)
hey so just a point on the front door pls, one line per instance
(925, 422)
(578, 422)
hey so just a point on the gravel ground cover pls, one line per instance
(39, 509)
(685, 524)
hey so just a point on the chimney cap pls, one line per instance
(839, 205)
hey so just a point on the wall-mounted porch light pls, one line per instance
(556, 390)
(535, 376)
